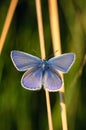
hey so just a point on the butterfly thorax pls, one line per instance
(45, 65)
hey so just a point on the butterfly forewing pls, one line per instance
(24, 61)
(63, 62)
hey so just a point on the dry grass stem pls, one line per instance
(42, 47)
(7, 23)
(54, 22)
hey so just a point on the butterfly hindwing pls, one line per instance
(63, 62)
(52, 80)
(32, 79)
(24, 61)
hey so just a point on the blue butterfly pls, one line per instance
(42, 72)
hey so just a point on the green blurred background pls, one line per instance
(21, 109)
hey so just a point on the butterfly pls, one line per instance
(42, 72)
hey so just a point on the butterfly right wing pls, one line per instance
(32, 79)
(52, 80)
(62, 62)
(23, 61)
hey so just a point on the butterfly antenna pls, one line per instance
(51, 55)
(34, 51)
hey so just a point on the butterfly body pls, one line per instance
(42, 72)
(44, 65)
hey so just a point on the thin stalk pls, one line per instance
(7, 23)
(54, 22)
(42, 48)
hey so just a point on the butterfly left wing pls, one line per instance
(23, 61)
(63, 62)
(52, 80)
(32, 79)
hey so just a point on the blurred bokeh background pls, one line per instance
(21, 109)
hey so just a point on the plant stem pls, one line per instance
(42, 47)
(54, 22)
(7, 23)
